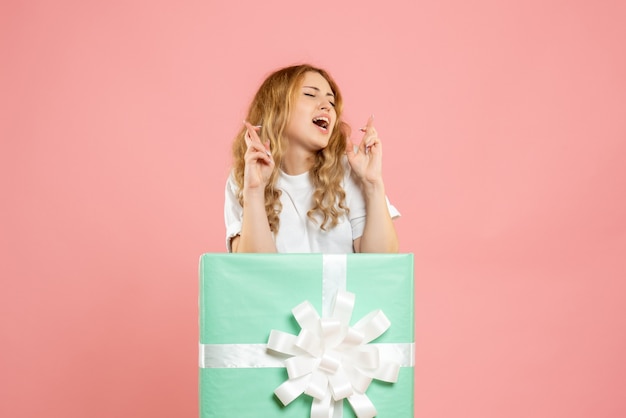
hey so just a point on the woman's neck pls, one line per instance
(296, 162)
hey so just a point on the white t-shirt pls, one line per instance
(297, 233)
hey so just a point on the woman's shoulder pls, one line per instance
(231, 183)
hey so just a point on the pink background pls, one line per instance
(505, 145)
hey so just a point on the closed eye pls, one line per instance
(313, 95)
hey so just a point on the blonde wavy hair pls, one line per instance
(271, 108)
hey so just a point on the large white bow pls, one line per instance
(332, 361)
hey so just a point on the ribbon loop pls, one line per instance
(306, 315)
(322, 408)
(317, 386)
(292, 388)
(362, 405)
(373, 325)
(299, 366)
(329, 363)
(367, 357)
(309, 342)
(283, 342)
(360, 381)
(387, 372)
(340, 386)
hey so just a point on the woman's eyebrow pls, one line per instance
(315, 88)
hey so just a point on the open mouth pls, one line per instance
(322, 122)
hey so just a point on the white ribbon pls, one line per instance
(332, 361)
(328, 359)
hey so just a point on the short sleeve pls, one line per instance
(393, 212)
(233, 212)
(356, 204)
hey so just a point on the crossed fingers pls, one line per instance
(256, 150)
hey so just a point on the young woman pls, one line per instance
(298, 184)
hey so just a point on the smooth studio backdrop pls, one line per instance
(504, 129)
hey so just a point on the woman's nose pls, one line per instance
(325, 104)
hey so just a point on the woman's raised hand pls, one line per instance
(366, 162)
(258, 159)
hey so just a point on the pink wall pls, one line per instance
(505, 141)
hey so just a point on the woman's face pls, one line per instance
(313, 114)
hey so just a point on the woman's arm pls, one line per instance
(255, 235)
(379, 234)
